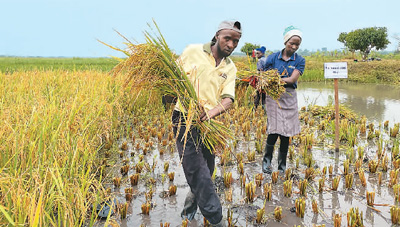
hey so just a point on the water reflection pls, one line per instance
(378, 102)
(369, 216)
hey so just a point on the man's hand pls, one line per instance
(219, 109)
(203, 116)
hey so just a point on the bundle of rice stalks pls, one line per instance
(153, 66)
(142, 66)
(270, 82)
(266, 81)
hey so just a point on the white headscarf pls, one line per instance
(290, 32)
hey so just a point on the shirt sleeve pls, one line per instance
(301, 65)
(228, 90)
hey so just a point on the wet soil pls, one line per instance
(167, 208)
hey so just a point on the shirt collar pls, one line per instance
(207, 49)
(292, 58)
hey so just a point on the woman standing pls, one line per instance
(283, 118)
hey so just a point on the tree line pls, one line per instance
(363, 40)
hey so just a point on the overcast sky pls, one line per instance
(70, 28)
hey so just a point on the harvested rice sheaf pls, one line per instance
(268, 81)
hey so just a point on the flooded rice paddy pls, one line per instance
(366, 162)
(377, 102)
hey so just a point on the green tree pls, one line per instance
(248, 48)
(365, 39)
(342, 38)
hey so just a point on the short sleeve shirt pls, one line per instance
(212, 83)
(285, 68)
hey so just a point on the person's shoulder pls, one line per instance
(300, 58)
(276, 53)
(230, 62)
(192, 50)
(196, 46)
(273, 55)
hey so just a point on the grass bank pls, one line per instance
(385, 71)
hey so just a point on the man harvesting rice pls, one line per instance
(213, 75)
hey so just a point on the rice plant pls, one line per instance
(185, 222)
(274, 177)
(250, 192)
(228, 179)
(321, 184)
(370, 198)
(123, 210)
(128, 194)
(309, 173)
(372, 165)
(395, 214)
(395, 130)
(228, 195)
(335, 183)
(259, 179)
(268, 191)
(303, 187)
(287, 188)
(396, 192)
(260, 214)
(346, 165)
(393, 177)
(288, 173)
(361, 175)
(315, 206)
(349, 181)
(172, 190)
(300, 205)
(278, 213)
(337, 220)
(171, 176)
(229, 217)
(355, 218)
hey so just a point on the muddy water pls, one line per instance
(377, 102)
(167, 209)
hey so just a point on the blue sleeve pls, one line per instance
(301, 65)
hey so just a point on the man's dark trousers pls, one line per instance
(198, 165)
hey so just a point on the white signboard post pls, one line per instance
(336, 70)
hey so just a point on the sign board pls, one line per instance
(335, 70)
